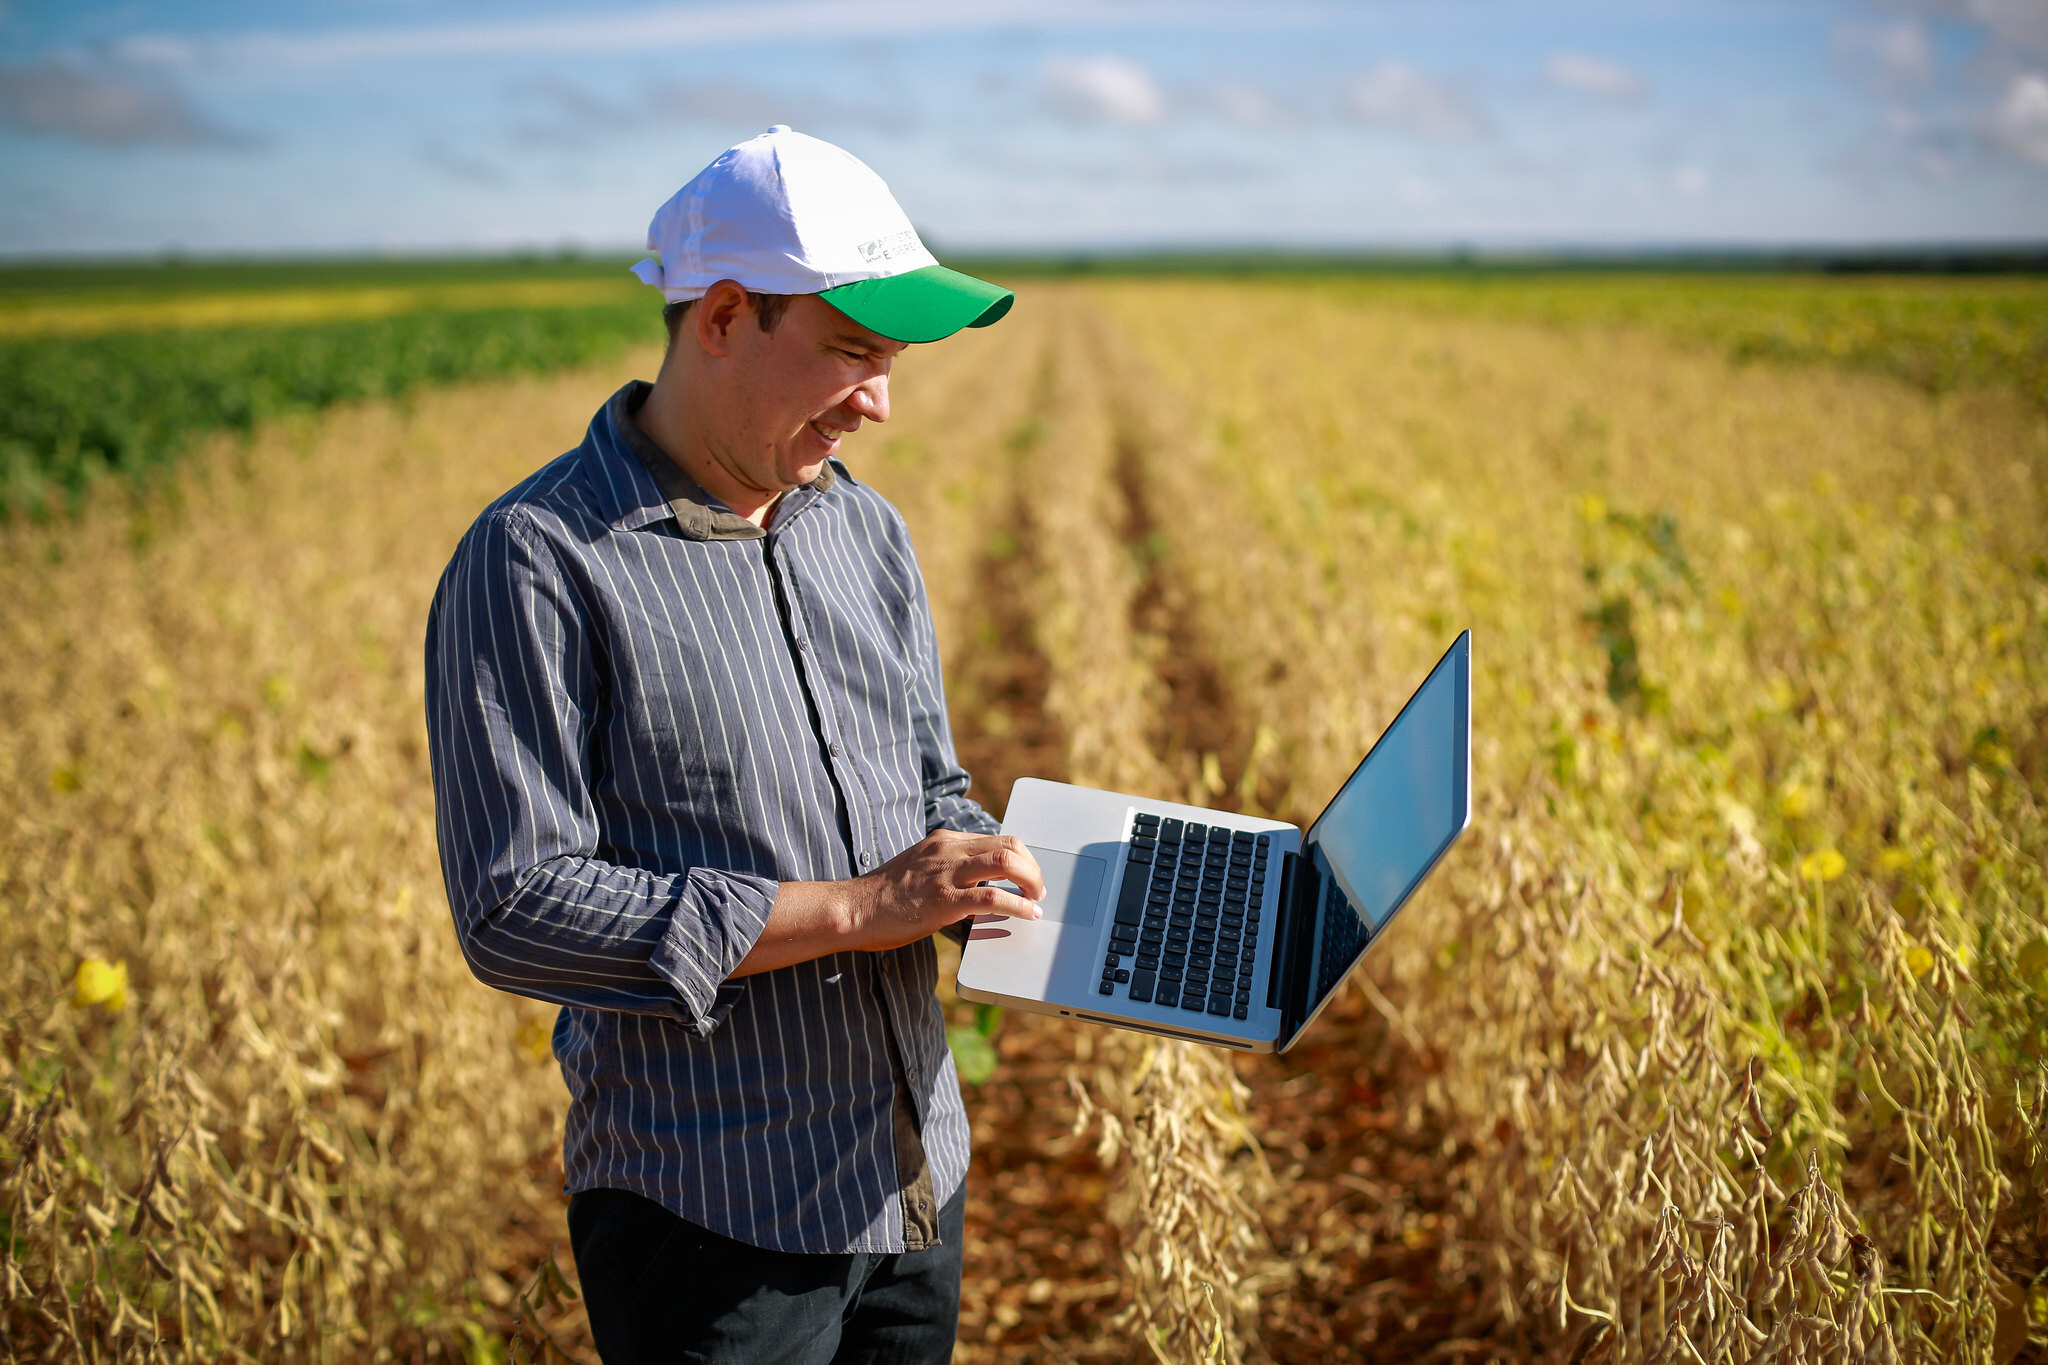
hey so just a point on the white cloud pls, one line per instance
(571, 101)
(457, 165)
(153, 49)
(558, 114)
(1591, 76)
(1416, 193)
(1205, 172)
(1104, 89)
(1690, 182)
(1897, 55)
(2023, 23)
(1395, 96)
(105, 105)
(2020, 123)
(1248, 106)
(683, 26)
(746, 109)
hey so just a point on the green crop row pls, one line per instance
(95, 281)
(73, 409)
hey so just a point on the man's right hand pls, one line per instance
(937, 881)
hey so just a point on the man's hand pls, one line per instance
(935, 882)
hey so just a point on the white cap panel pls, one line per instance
(781, 213)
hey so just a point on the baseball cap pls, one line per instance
(784, 213)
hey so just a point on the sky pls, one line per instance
(226, 126)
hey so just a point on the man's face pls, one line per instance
(796, 391)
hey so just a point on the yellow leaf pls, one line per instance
(1795, 801)
(1592, 508)
(1919, 961)
(1894, 860)
(102, 983)
(1991, 754)
(1823, 865)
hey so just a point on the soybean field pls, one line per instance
(1722, 1036)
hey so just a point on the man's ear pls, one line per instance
(722, 308)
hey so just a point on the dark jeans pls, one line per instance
(662, 1289)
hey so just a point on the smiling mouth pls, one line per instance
(831, 435)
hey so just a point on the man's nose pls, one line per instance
(871, 400)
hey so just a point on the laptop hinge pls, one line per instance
(1287, 987)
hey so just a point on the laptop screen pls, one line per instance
(1392, 819)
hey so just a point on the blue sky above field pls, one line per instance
(375, 125)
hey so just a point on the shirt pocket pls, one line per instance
(694, 721)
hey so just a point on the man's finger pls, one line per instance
(1020, 866)
(1027, 874)
(995, 900)
(1008, 861)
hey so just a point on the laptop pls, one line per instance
(1220, 928)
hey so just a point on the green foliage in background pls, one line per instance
(104, 281)
(74, 408)
(116, 367)
(125, 390)
(974, 1045)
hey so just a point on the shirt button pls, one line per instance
(867, 860)
(802, 643)
(834, 750)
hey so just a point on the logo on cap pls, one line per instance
(885, 249)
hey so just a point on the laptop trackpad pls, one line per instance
(1073, 885)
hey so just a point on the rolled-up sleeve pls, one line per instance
(512, 686)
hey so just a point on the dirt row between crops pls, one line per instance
(1329, 1117)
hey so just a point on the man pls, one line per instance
(695, 784)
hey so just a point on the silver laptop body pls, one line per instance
(1221, 928)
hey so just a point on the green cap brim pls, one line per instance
(921, 305)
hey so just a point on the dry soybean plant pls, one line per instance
(253, 1105)
(1731, 1013)
(1720, 1039)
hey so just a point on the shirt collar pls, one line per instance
(640, 484)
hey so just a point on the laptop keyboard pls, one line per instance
(1187, 917)
(1344, 934)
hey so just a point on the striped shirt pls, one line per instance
(644, 712)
